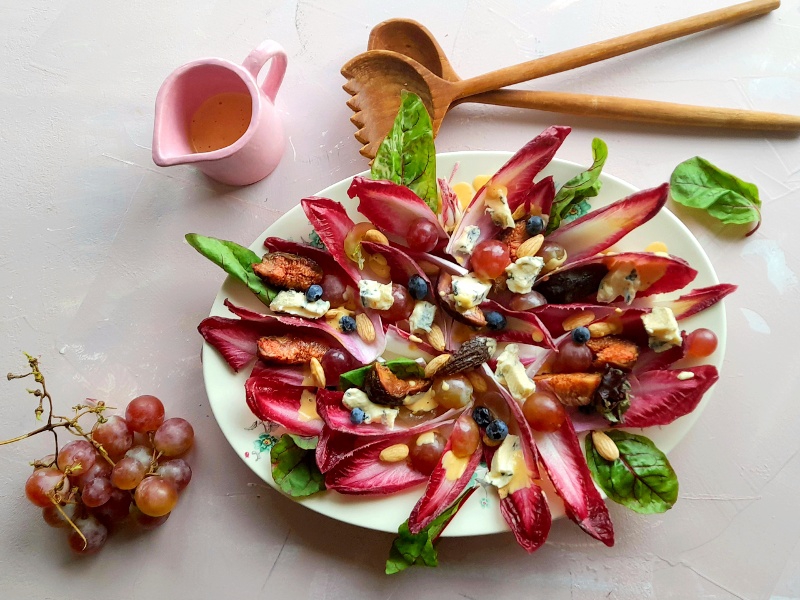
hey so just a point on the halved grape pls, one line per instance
(572, 358)
(490, 259)
(465, 438)
(401, 308)
(453, 392)
(425, 457)
(422, 235)
(544, 412)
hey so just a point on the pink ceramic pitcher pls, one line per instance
(252, 156)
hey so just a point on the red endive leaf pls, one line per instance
(393, 209)
(333, 446)
(552, 316)
(280, 404)
(441, 492)
(332, 224)
(659, 397)
(697, 300)
(450, 204)
(324, 259)
(337, 417)
(528, 515)
(540, 199)
(363, 351)
(395, 335)
(293, 375)
(401, 265)
(517, 177)
(562, 457)
(602, 228)
(521, 327)
(234, 339)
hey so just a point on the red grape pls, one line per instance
(425, 457)
(465, 437)
(401, 308)
(452, 392)
(144, 414)
(100, 468)
(127, 473)
(553, 255)
(146, 521)
(115, 509)
(572, 358)
(543, 412)
(96, 492)
(43, 484)
(523, 302)
(701, 343)
(422, 235)
(177, 471)
(155, 496)
(174, 437)
(77, 456)
(333, 288)
(95, 533)
(490, 259)
(114, 435)
(335, 362)
(53, 517)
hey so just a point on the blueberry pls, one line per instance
(580, 335)
(482, 416)
(497, 430)
(347, 323)
(314, 293)
(357, 416)
(534, 225)
(494, 320)
(417, 287)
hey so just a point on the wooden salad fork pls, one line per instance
(375, 79)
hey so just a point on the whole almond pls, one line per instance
(436, 364)
(376, 237)
(605, 446)
(519, 213)
(394, 453)
(478, 382)
(598, 330)
(365, 328)
(436, 337)
(317, 372)
(530, 246)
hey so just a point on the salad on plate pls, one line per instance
(466, 335)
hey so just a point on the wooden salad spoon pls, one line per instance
(376, 77)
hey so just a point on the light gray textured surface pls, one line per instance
(96, 278)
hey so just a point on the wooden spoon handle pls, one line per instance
(592, 53)
(643, 111)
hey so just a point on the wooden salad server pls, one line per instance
(376, 77)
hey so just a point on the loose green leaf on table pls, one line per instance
(404, 368)
(235, 260)
(584, 185)
(641, 478)
(407, 155)
(409, 549)
(697, 183)
(295, 469)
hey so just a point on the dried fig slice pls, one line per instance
(386, 388)
(290, 271)
(290, 349)
(571, 389)
(444, 289)
(613, 351)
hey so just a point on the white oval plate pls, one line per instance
(481, 514)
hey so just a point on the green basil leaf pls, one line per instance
(295, 469)
(404, 368)
(409, 549)
(407, 155)
(697, 183)
(235, 260)
(584, 185)
(641, 478)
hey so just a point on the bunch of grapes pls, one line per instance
(123, 469)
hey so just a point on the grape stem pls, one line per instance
(55, 421)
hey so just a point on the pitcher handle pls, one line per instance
(256, 60)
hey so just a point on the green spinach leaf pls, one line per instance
(409, 549)
(404, 368)
(306, 443)
(584, 185)
(699, 184)
(407, 155)
(235, 260)
(295, 469)
(641, 478)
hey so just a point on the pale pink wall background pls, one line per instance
(95, 277)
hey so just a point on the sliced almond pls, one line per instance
(598, 330)
(581, 319)
(477, 380)
(428, 267)
(317, 372)
(436, 364)
(519, 212)
(436, 337)
(530, 246)
(394, 453)
(365, 328)
(376, 237)
(379, 265)
(605, 446)
(537, 335)
(415, 338)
